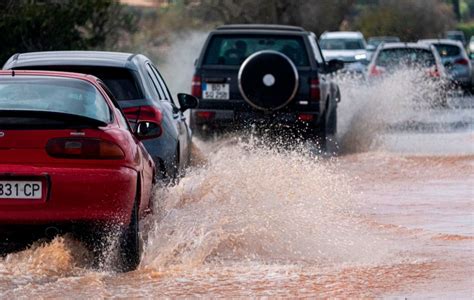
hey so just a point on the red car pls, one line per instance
(69, 161)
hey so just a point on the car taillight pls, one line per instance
(461, 61)
(305, 117)
(83, 148)
(205, 115)
(196, 86)
(376, 71)
(315, 92)
(143, 113)
(434, 72)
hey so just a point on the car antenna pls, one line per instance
(13, 73)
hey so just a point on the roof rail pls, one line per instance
(260, 26)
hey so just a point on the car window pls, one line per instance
(446, 50)
(155, 82)
(121, 118)
(121, 81)
(162, 83)
(405, 56)
(342, 44)
(232, 50)
(62, 95)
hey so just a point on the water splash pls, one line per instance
(254, 202)
(371, 108)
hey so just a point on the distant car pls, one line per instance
(471, 48)
(374, 41)
(456, 35)
(348, 46)
(139, 89)
(69, 161)
(392, 57)
(271, 74)
(455, 59)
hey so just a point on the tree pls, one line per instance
(29, 25)
(408, 19)
(314, 15)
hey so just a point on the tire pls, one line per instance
(321, 133)
(129, 242)
(332, 122)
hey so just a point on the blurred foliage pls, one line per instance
(160, 27)
(314, 15)
(29, 25)
(467, 28)
(408, 19)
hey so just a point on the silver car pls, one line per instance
(348, 46)
(455, 59)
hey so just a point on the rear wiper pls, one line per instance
(53, 115)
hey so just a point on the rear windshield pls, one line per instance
(377, 41)
(405, 56)
(342, 44)
(53, 94)
(120, 81)
(445, 50)
(232, 50)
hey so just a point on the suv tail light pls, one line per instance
(207, 115)
(315, 91)
(196, 86)
(305, 117)
(83, 148)
(461, 61)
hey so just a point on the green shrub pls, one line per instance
(28, 25)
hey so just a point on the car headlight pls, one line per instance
(360, 56)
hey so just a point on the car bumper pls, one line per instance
(232, 112)
(71, 195)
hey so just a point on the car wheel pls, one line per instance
(129, 242)
(321, 133)
(332, 122)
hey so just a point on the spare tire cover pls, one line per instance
(268, 80)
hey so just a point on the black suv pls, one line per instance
(271, 73)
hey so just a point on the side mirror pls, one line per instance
(187, 102)
(334, 65)
(146, 130)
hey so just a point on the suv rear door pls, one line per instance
(224, 53)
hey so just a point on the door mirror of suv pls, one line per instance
(146, 130)
(187, 102)
(334, 65)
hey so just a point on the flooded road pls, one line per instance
(391, 216)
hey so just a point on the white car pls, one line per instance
(348, 46)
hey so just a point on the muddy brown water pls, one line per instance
(254, 222)
(392, 217)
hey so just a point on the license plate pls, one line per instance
(21, 189)
(219, 91)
